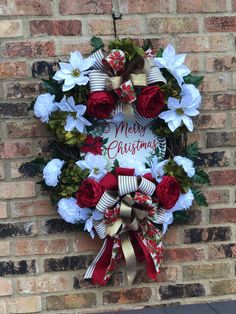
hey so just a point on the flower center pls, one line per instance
(76, 72)
(96, 170)
(180, 112)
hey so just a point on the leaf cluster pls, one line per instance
(128, 46)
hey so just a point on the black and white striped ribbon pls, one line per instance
(140, 119)
(98, 56)
(100, 228)
(106, 201)
(127, 184)
(90, 270)
(147, 187)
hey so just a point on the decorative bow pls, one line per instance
(127, 229)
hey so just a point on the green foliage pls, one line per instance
(193, 79)
(33, 168)
(201, 177)
(128, 46)
(199, 197)
(180, 217)
(159, 53)
(96, 43)
(54, 88)
(192, 151)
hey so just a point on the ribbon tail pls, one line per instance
(129, 256)
(97, 270)
(150, 265)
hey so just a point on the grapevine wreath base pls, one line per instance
(120, 165)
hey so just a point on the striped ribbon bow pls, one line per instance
(127, 216)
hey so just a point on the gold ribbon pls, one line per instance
(129, 256)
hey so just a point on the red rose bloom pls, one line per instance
(150, 102)
(89, 193)
(168, 191)
(101, 105)
(92, 145)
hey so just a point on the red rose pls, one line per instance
(92, 145)
(150, 102)
(168, 191)
(101, 105)
(89, 193)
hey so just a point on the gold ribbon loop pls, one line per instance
(129, 256)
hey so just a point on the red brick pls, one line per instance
(14, 169)
(22, 305)
(223, 177)
(15, 149)
(55, 27)
(202, 43)
(233, 119)
(26, 7)
(35, 247)
(29, 49)
(43, 283)
(142, 6)
(221, 139)
(71, 301)
(220, 101)
(189, 6)
(23, 189)
(211, 121)
(206, 271)
(220, 23)
(193, 62)
(216, 82)
(13, 69)
(5, 287)
(5, 248)
(3, 210)
(183, 255)
(83, 47)
(223, 287)
(70, 7)
(227, 250)
(32, 208)
(124, 26)
(15, 90)
(2, 170)
(126, 296)
(171, 237)
(85, 243)
(172, 25)
(222, 215)
(221, 63)
(11, 28)
(234, 5)
(33, 128)
(167, 274)
(217, 196)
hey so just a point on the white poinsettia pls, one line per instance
(96, 164)
(157, 168)
(44, 106)
(138, 166)
(190, 91)
(96, 215)
(74, 72)
(173, 63)
(180, 111)
(71, 212)
(52, 171)
(78, 122)
(187, 164)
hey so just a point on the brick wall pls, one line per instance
(42, 259)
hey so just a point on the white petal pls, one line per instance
(81, 80)
(169, 53)
(173, 103)
(75, 59)
(65, 88)
(86, 64)
(191, 112)
(70, 123)
(179, 59)
(188, 122)
(65, 67)
(182, 70)
(174, 124)
(81, 109)
(69, 80)
(160, 62)
(168, 115)
(59, 76)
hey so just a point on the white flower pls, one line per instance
(184, 202)
(168, 220)
(44, 106)
(179, 111)
(187, 164)
(138, 166)
(74, 72)
(96, 215)
(193, 94)
(173, 63)
(71, 212)
(79, 122)
(157, 168)
(96, 164)
(52, 171)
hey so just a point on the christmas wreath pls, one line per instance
(120, 165)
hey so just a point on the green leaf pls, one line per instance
(159, 53)
(96, 43)
(53, 87)
(180, 217)
(193, 79)
(105, 140)
(201, 177)
(192, 151)
(199, 197)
